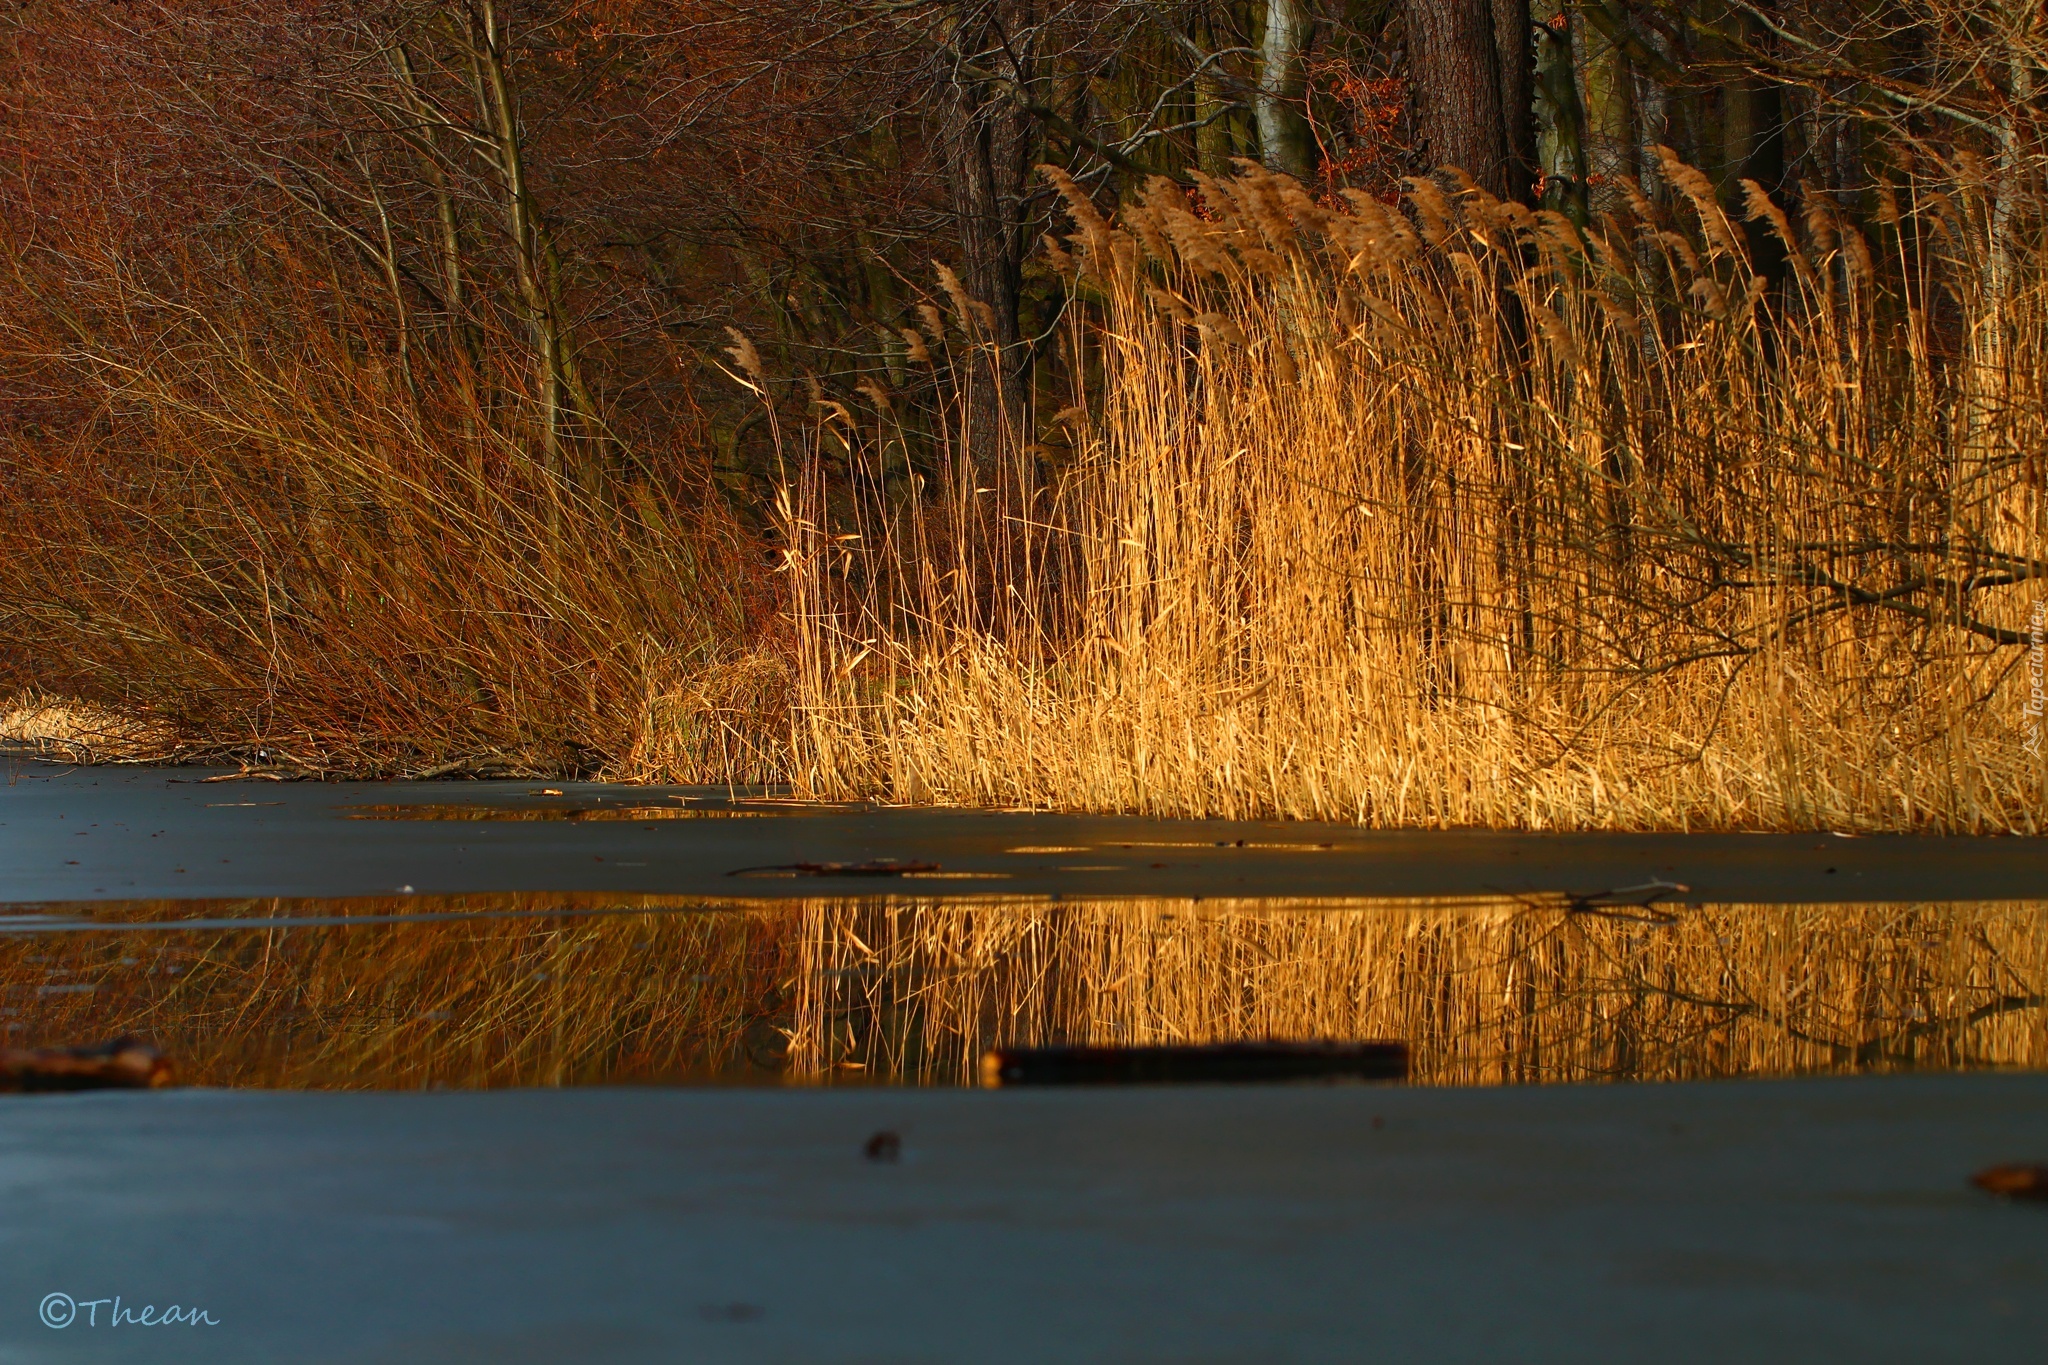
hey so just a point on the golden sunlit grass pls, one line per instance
(1453, 514)
(1447, 513)
(913, 990)
(52, 727)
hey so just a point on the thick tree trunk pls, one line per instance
(1286, 142)
(1454, 63)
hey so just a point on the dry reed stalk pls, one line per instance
(1486, 993)
(727, 722)
(1460, 516)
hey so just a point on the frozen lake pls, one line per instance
(113, 833)
(1845, 1030)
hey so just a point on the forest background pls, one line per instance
(1087, 403)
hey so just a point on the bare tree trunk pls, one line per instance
(1514, 46)
(2013, 151)
(1609, 128)
(401, 315)
(1213, 140)
(562, 397)
(465, 344)
(1753, 148)
(426, 143)
(1560, 140)
(1991, 344)
(1654, 125)
(466, 349)
(1285, 141)
(1454, 61)
(988, 133)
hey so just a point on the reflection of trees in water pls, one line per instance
(1485, 993)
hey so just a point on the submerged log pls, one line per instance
(2013, 1182)
(124, 1064)
(880, 867)
(1214, 1062)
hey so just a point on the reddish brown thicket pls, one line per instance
(367, 403)
(353, 369)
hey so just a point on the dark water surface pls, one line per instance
(497, 934)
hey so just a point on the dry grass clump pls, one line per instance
(728, 721)
(1493, 993)
(54, 727)
(1453, 513)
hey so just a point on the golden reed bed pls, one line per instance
(1452, 513)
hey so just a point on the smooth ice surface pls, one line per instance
(129, 833)
(1778, 1221)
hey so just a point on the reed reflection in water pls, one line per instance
(1499, 993)
(508, 990)
(608, 989)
